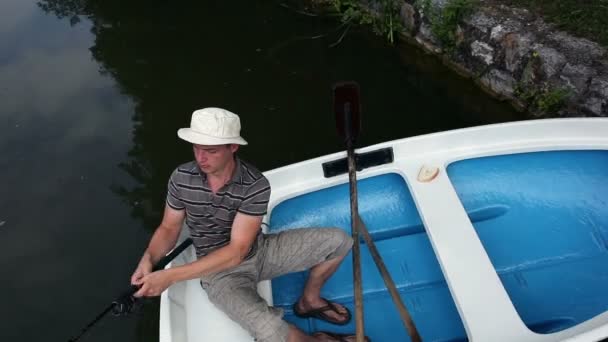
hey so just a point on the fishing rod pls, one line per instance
(123, 304)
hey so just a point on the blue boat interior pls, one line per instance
(542, 218)
(389, 212)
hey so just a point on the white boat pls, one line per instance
(491, 233)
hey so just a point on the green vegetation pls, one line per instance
(542, 99)
(552, 100)
(444, 22)
(585, 18)
(382, 15)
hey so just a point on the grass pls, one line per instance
(583, 18)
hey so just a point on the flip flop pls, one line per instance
(319, 313)
(339, 337)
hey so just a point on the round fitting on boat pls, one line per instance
(427, 173)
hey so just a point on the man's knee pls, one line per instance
(342, 242)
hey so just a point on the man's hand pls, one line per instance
(153, 284)
(144, 268)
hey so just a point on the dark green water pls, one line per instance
(91, 96)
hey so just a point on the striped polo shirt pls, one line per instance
(209, 216)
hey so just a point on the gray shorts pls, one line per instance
(234, 291)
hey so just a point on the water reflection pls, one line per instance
(173, 59)
(167, 59)
(62, 135)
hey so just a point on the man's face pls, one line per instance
(213, 158)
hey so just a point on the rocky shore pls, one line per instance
(516, 56)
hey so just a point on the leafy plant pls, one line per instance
(552, 100)
(543, 99)
(444, 21)
(382, 15)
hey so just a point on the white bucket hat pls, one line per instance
(213, 126)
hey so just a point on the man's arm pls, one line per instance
(244, 231)
(162, 242)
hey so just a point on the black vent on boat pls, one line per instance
(362, 161)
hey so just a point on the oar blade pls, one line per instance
(347, 109)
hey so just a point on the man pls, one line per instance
(223, 200)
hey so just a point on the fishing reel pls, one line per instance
(123, 305)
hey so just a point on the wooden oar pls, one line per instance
(347, 109)
(388, 281)
(123, 303)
